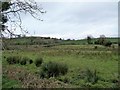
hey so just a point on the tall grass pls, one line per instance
(13, 59)
(91, 76)
(38, 61)
(53, 69)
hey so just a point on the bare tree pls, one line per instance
(11, 12)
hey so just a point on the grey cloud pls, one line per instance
(81, 12)
(75, 20)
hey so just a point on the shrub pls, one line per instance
(53, 69)
(13, 59)
(30, 61)
(24, 60)
(108, 43)
(96, 42)
(38, 62)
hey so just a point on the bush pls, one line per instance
(96, 42)
(13, 59)
(108, 43)
(53, 69)
(24, 60)
(95, 47)
(30, 61)
(38, 62)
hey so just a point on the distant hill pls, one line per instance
(84, 41)
(32, 41)
(50, 41)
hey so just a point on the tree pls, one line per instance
(89, 39)
(101, 40)
(10, 12)
(3, 18)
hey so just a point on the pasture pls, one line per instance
(87, 66)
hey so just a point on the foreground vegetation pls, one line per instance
(60, 66)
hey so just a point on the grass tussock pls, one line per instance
(18, 60)
(13, 59)
(38, 61)
(53, 69)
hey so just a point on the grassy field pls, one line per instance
(51, 41)
(87, 66)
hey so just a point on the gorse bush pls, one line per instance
(53, 69)
(13, 59)
(38, 61)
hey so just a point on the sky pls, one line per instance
(74, 20)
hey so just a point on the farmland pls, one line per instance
(88, 66)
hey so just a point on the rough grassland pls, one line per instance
(79, 58)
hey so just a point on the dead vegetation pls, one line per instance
(29, 80)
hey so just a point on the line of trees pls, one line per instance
(101, 41)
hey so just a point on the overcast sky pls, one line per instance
(75, 20)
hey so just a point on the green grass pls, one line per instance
(78, 58)
(10, 83)
(51, 41)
